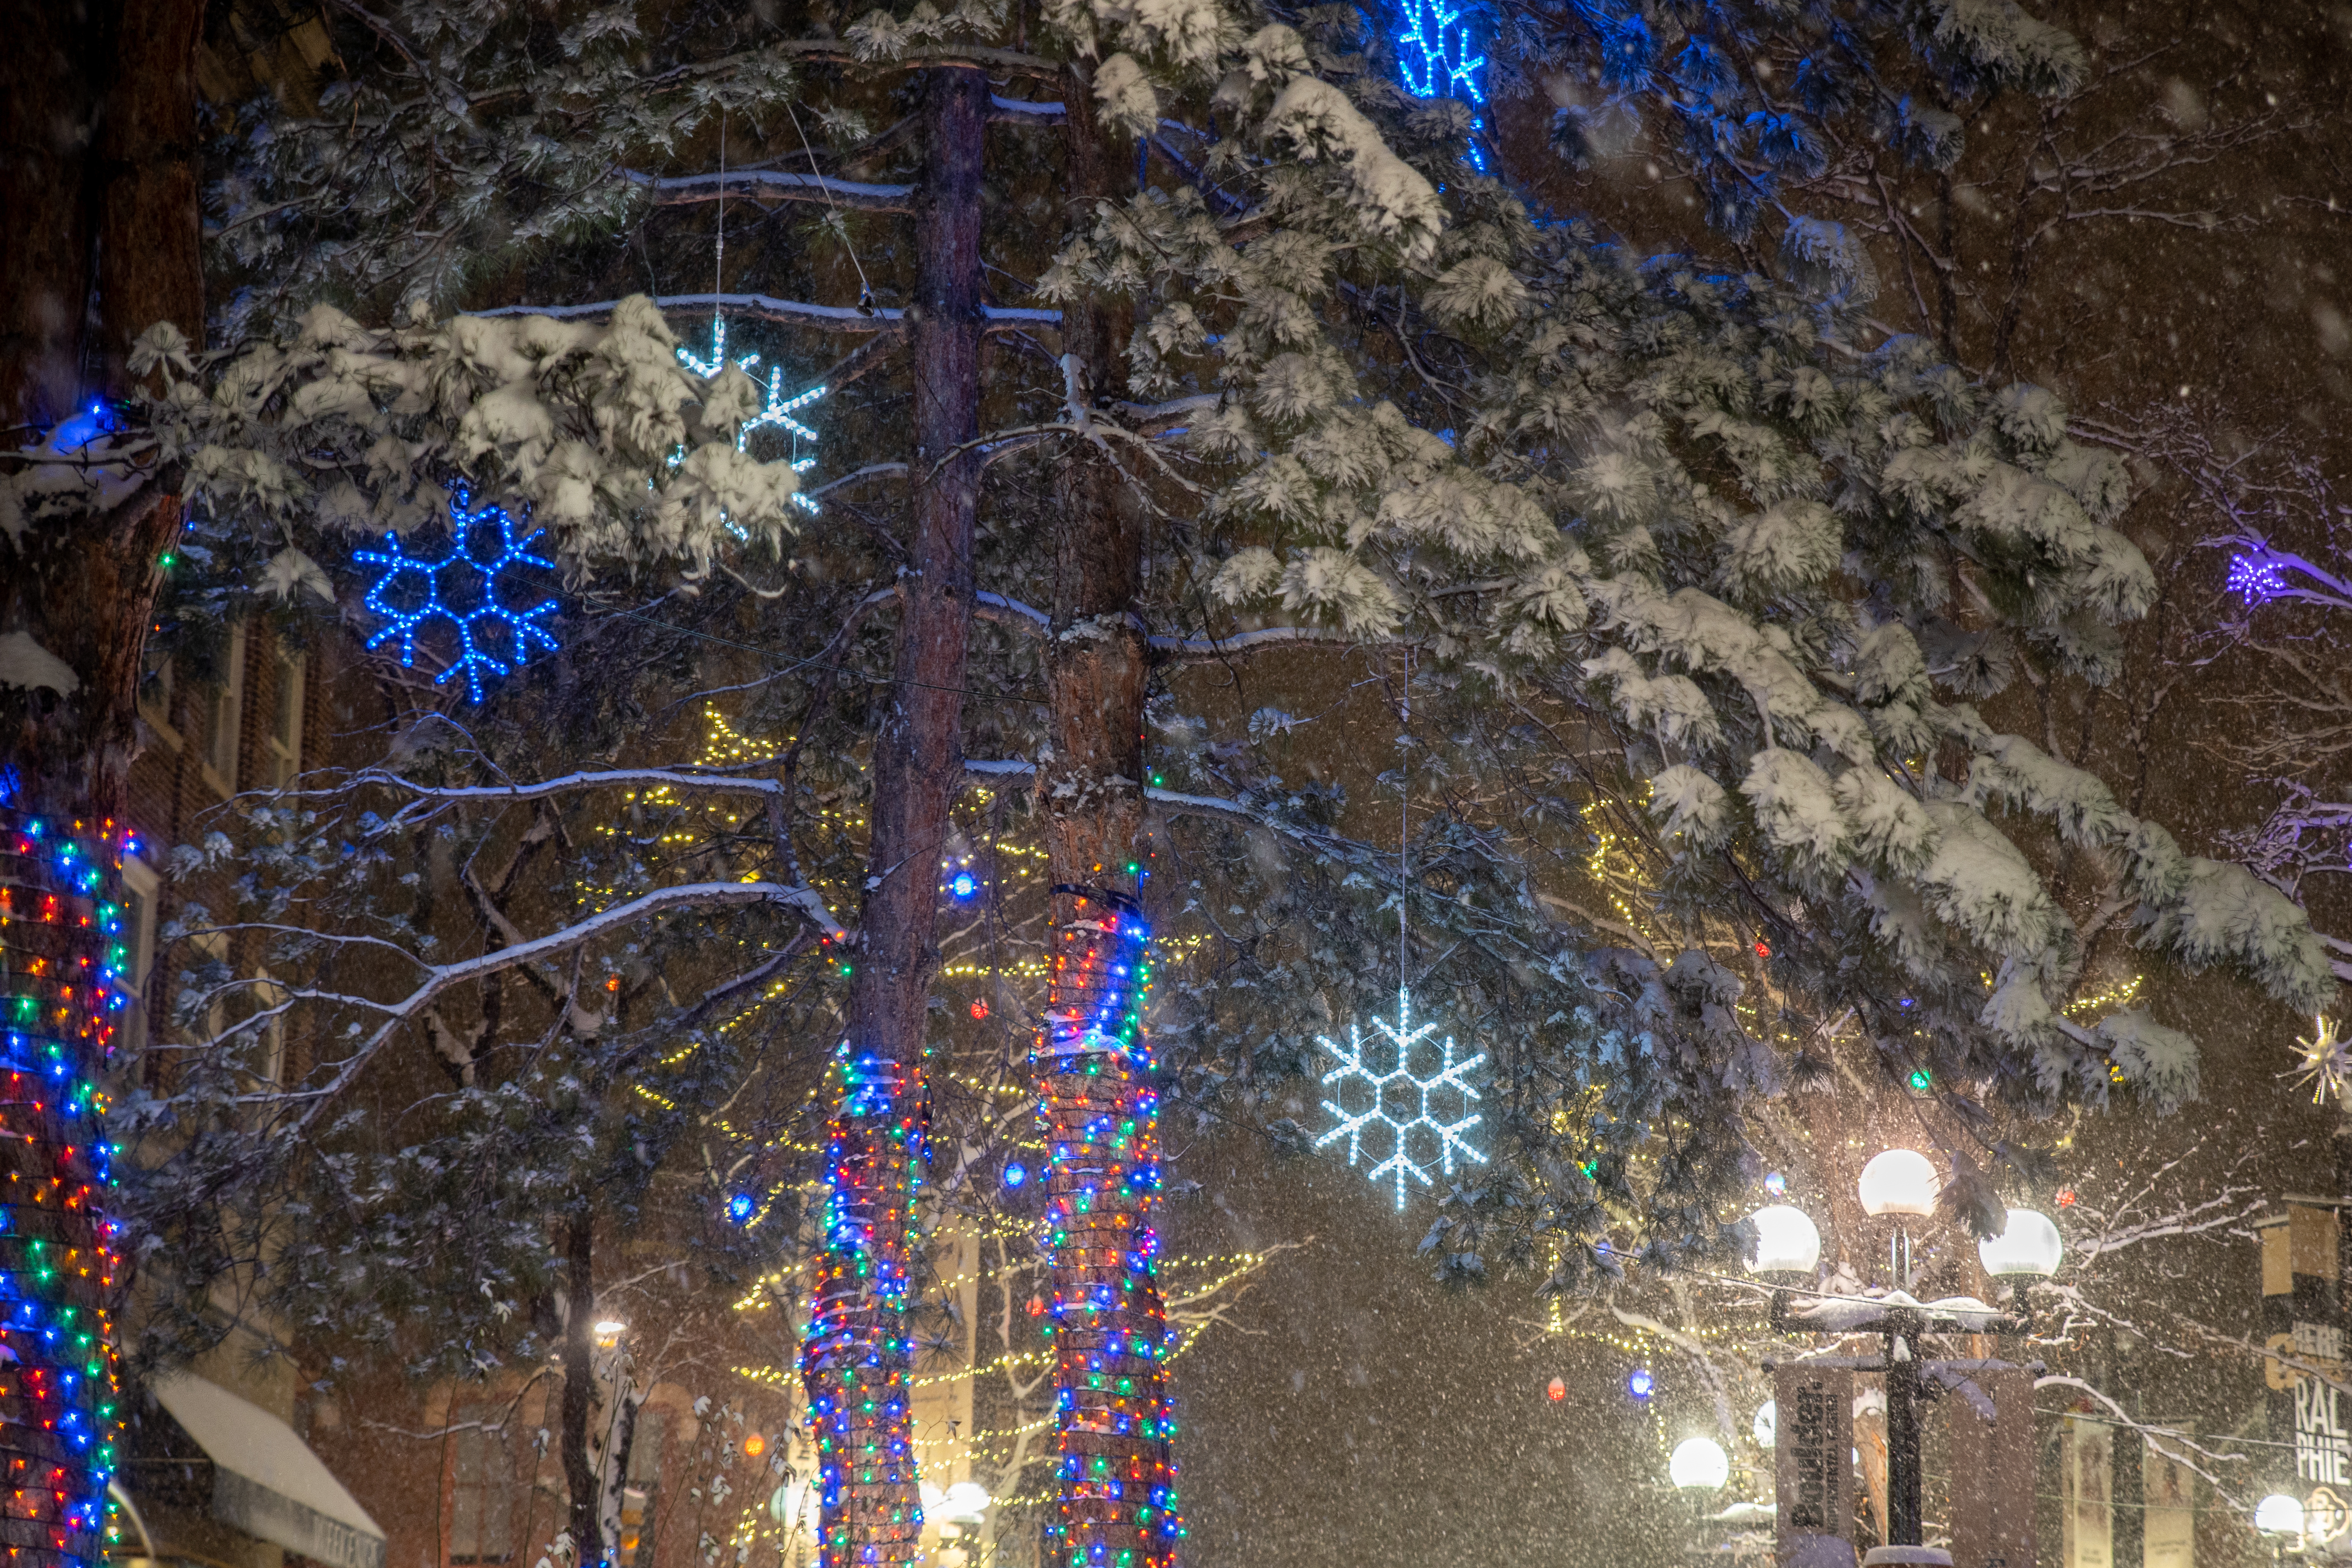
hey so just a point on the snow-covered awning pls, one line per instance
(266, 1481)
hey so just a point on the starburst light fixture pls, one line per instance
(413, 591)
(779, 411)
(2324, 1061)
(1396, 1092)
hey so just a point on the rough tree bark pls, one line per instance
(858, 1356)
(98, 178)
(1094, 1070)
(98, 174)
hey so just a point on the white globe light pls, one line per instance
(1786, 1241)
(1767, 1427)
(2028, 1244)
(2279, 1514)
(1699, 1464)
(1901, 1180)
(964, 1503)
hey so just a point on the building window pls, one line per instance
(483, 1487)
(141, 891)
(223, 713)
(641, 1492)
(285, 760)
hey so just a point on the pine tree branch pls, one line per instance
(773, 185)
(789, 312)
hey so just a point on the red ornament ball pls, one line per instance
(979, 1009)
(1558, 1389)
(2066, 1198)
(1036, 1306)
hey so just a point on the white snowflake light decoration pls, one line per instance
(1401, 1104)
(779, 411)
(462, 588)
(2326, 1061)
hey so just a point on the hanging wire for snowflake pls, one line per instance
(1398, 1105)
(462, 587)
(778, 413)
(2324, 1061)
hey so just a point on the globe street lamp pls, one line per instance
(1898, 1182)
(2279, 1516)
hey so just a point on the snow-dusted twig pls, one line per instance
(677, 190)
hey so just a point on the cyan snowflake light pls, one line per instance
(1433, 56)
(413, 591)
(779, 411)
(1401, 1104)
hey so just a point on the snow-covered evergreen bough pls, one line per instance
(61, 968)
(1118, 1494)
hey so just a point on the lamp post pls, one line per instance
(1698, 1467)
(1898, 1182)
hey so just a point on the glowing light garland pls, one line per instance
(779, 411)
(1434, 59)
(2257, 579)
(1395, 1090)
(1116, 1496)
(63, 969)
(859, 1357)
(408, 608)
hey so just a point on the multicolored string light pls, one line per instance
(1108, 1329)
(859, 1357)
(408, 607)
(64, 969)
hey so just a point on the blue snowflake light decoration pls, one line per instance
(779, 411)
(462, 588)
(1434, 59)
(1395, 1104)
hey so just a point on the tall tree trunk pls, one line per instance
(97, 131)
(859, 1357)
(1117, 1477)
(97, 150)
(588, 1544)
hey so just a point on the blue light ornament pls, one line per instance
(462, 588)
(1434, 59)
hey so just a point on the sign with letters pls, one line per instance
(1813, 1463)
(2304, 1371)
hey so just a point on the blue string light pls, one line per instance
(1434, 59)
(464, 607)
(1641, 1386)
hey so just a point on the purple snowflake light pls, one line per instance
(2256, 578)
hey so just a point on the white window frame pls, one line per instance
(284, 746)
(143, 892)
(224, 720)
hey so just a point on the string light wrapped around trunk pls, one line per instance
(858, 1358)
(64, 970)
(1119, 1503)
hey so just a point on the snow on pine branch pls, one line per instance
(366, 431)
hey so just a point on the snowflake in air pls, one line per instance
(1399, 1106)
(462, 588)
